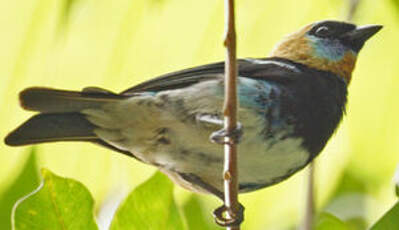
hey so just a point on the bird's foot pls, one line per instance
(234, 219)
(235, 135)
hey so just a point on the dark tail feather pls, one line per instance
(50, 128)
(47, 100)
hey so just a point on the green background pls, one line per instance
(72, 44)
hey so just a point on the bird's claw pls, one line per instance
(235, 135)
(234, 220)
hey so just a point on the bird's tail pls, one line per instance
(59, 118)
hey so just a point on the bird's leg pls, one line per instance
(235, 135)
(218, 136)
(209, 119)
(233, 221)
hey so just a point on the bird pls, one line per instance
(290, 104)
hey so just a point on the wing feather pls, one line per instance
(271, 69)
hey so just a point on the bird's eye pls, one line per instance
(323, 31)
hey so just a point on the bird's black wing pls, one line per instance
(272, 69)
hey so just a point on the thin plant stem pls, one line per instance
(230, 174)
(310, 199)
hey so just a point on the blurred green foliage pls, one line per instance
(196, 217)
(61, 203)
(26, 182)
(58, 203)
(116, 44)
(349, 201)
(326, 221)
(150, 206)
(389, 221)
(396, 4)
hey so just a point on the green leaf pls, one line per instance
(58, 203)
(195, 217)
(326, 221)
(149, 206)
(390, 220)
(25, 182)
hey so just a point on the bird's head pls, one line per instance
(326, 45)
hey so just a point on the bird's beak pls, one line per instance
(361, 34)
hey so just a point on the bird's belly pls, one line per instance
(261, 162)
(264, 164)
